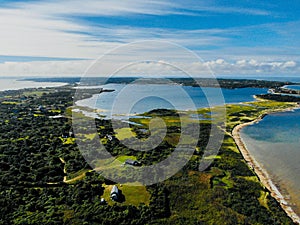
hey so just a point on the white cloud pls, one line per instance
(48, 28)
(130, 7)
(32, 34)
(53, 68)
(289, 64)
(45, 28)
(151, 68)
(103, 7)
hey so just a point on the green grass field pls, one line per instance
(134, 195)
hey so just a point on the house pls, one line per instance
(103, 202)
(71, 134)
(109, 137)
(114, 194)
(42, 109)
(132, 162)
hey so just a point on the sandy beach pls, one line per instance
(260, 172)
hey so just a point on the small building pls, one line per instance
(42, 109)
(103, 202)
(109, 137)
(132, 162)
(114, 194)
(71, 134)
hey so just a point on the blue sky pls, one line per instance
(232, 37)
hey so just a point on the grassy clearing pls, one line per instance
(67, 141)
(263, 199)
(124, 133)
(79, 175)
(227, 180)
(223, 180)
(134, 195)
(271, 104)
(229, 144)
(251, 178)
(55, 110)
(123, 158)
(35, 93)
(37, 115)
(10, 103)
(204, 111)
(212, 157)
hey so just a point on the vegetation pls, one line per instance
(45, 180)
(281, 98)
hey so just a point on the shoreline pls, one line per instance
(263, 176)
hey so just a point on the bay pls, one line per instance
(274, 143)
(138, 98)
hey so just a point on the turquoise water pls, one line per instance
(275, 144)
(138, 98)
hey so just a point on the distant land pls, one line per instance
(203, 82)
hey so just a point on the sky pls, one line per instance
(236, 38)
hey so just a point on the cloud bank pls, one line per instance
(201, 69)
(89, 29)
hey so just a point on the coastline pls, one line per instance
(259, 171)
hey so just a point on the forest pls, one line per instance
(46, 180)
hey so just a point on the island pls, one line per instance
(45, 179)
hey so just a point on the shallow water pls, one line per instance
(275, 144)
(133, 99)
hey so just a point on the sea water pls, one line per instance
(275, 144)
(123, 100)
